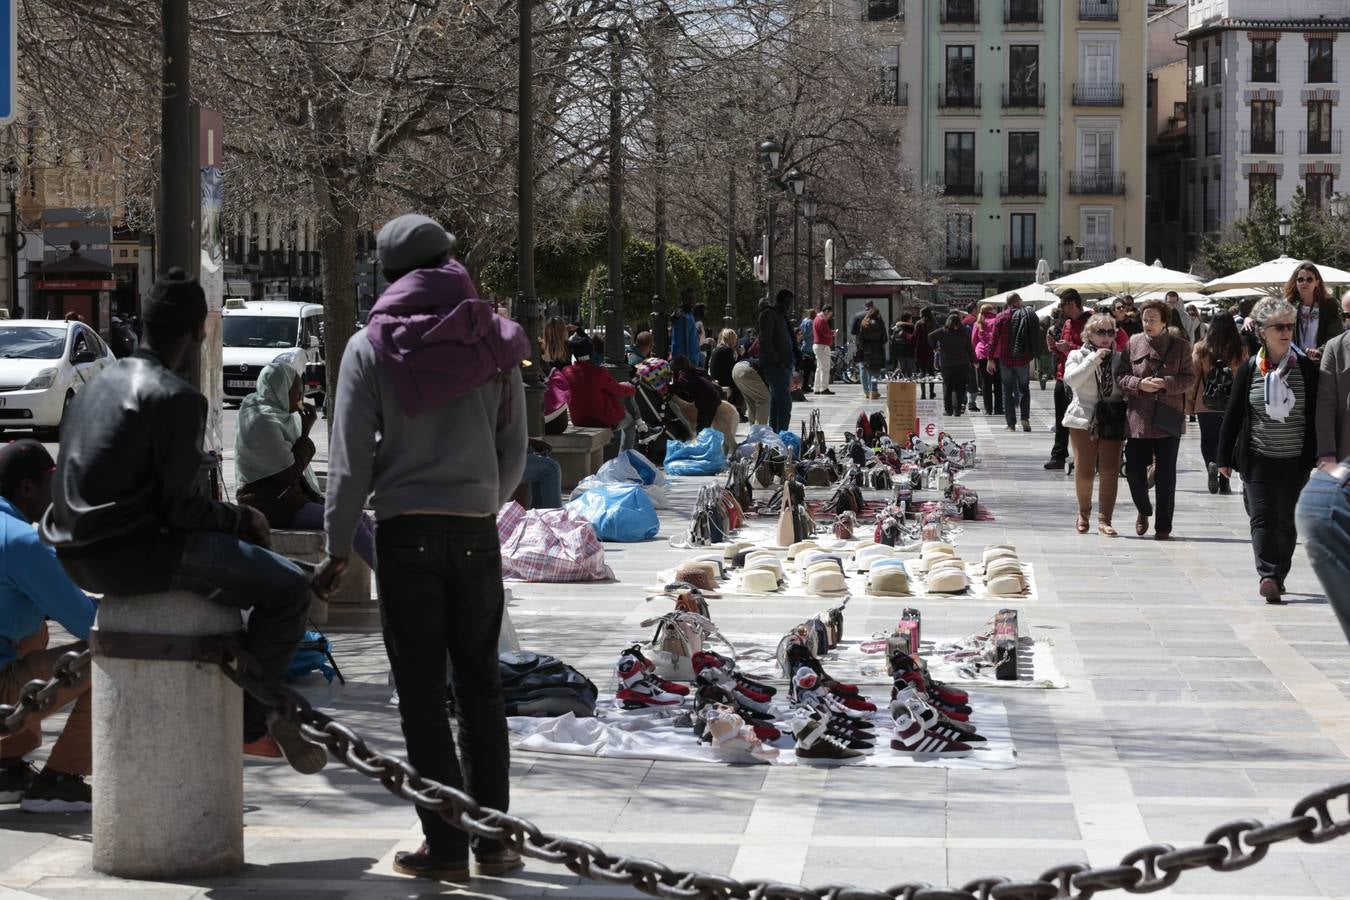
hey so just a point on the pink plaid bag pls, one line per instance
(549, 545)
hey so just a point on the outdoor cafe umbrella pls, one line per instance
(1271, 276)
(1126, 276)
(1033, 295)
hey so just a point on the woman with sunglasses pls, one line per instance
(1318, 318)
(1088, 370)
(1270, 435)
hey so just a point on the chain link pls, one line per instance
(1232, 846)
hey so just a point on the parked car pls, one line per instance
(257, 333)
(43, 365)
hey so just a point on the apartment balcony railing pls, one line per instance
(959, 12)
(959, 185)
(963, 257)
(1023, 12)
(1098, 10)
(1098, 94)
(1099, 253)
(1262, 143)
(884, 11)
(1022, 257)
(958, 96)
(1017, 96)
(1097, 182)
(1021, 184)
(1316, 143)
(890, 91)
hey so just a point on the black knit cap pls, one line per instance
(22, 461)
(176, 304)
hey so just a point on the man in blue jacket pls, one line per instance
(684, 331)
(34, 588)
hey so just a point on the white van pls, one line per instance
(257, 333)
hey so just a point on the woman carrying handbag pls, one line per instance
(1095, 418)
(1154, 377)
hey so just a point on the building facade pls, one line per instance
(894, 31)
(1263, 101)
(1164, 229)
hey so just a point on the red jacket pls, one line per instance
(593, 397)
(821, 331)
(1000, 347)
(1071, 331)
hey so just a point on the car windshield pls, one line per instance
(259, 331)
(19, 342)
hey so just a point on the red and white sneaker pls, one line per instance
(806, 689)
(744, 697)
(637, 689)
(706, 658)
(670, 687)
(911, 737)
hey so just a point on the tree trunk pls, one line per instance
(337, 256)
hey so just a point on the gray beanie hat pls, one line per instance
(410, 241)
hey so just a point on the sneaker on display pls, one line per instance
(816, 744)
(670, 687)
(744, 697)
(933, 721)
(638, 689)
(711, 658)
(806, 689)
(911, 737)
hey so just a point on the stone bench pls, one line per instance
(351, 607)
(579, 451)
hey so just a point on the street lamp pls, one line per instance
(291, 230)
(1285, 227)
(794, 185)
(770, 151)
(1068, 252)
(810, 207)
(14, 240)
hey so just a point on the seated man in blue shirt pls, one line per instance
(34, 588)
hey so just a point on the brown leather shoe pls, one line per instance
(499, 863)
(1106, 529)
(1141, 525)
(421, 864)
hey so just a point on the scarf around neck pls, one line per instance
(1279, 397)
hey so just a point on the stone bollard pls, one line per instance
(168, 780)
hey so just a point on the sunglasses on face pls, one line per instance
(1281, 326)
(1308, 280)
(1104, 333)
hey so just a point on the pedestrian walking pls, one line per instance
(982, 339)
(1215, 359)
(1016, 337)
(436, 375)
(130, 514)
(806, 343)
(1333, 396)
(904, 342)
(923, 350)
(1318, 318)
(777, 357)
(872, 339)
(1155, 376)
(955, 352)
(1179, 317)
(684, 336)
(1323, 520)
(1061, 341)
(1094, 418)
(1270, 436)
(1132, 323)
(822, 340)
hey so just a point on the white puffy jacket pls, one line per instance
(1080, 373)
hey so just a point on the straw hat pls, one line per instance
(947, 581)
(760, 581)
(888, 581)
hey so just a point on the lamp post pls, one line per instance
(729, 318)
(795, 185)
(770, 151)
(809, 208)
(1067, 254)
(291, 230)
(1285, 227)
(14, 240)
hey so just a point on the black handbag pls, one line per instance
(1108, 420)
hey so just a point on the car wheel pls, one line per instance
(52, 435)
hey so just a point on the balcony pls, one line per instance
(959, 12)
(889, 90)
(963, 257)
(961, 185)
(1318, 143)
(1023, 12)
(1019, 96)
(1098, 94)
(1022, 257)
(1021, 184)
(1097, 182)
(884, 11)
(1098, 10)
(958, 96)
(1098, 253)
(1262, 143)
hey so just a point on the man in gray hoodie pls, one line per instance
(429, 424)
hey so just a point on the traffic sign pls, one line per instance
(9, 66)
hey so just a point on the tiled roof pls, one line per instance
(1233, 24)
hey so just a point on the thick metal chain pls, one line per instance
(1228, 848)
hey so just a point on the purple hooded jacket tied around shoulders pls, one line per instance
(437, 341)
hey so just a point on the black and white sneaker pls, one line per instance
(57, 792)
(15, 779)
(815, 743)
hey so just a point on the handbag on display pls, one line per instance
(844, 525)
(678, 636)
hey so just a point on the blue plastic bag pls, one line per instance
(793, 442)
(618, 512)
(701, 456)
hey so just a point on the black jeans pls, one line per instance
(1139, 454)
(779, 380)
(1063, 394)
(1210, 425)
(440, 583)
(1270, 492)
(991, 387)
(954, 379)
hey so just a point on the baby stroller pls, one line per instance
(659, 420)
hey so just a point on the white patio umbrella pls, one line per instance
(1126, 276)
(1271, 276)
(1186, 296)
(1033, 295)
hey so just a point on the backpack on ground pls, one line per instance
(1218, 388)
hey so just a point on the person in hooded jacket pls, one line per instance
(777, 357)
(430, 428)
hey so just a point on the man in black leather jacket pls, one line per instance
(130, 514)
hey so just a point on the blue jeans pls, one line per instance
(231, 572)
(544, 476)
(1323, 517)
(1016, 385)
(869, 384)
(779, 380)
